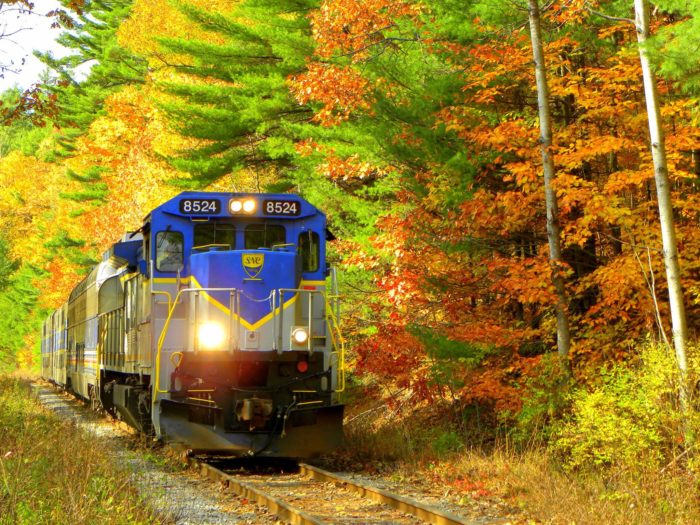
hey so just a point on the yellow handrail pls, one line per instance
(337, 341)
(161, 341)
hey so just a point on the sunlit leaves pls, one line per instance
(339, 90)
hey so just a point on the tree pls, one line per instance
(8, 265)
(553, 229)
(91, 32)
(231, 97)
(663, 189)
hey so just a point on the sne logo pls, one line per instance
(253, 264)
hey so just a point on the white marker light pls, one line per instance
(300, 336)
(211, 336)
(249, 206)
(235, 206)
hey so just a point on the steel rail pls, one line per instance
(296, 516)
(424, 512)
(282, 509)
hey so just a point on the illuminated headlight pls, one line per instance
(235, 206)
(211, 336)
(300, 336)
(249, 206)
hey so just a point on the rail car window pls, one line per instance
(310, 251)
(169, 251)
(264, 236)
(220, 234)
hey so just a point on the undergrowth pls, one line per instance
(52, 472)
(618, 449)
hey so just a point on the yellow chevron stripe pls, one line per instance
(242, 321)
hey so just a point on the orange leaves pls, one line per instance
(581, 150)
(527, 281)
(351, 168)
(63, 277)
(340, 91)
(628, 179)
(352, 27)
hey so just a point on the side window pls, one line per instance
(220, 234)
(264, 236)
(310, 251)
(169, 251)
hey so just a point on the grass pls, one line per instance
(53, 472)
(528, 478)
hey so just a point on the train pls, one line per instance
(215, 326)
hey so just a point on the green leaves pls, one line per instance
(244, 119)
(97, 66)
(8, 266)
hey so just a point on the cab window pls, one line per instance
(217, 234)
(264, 236)
(310, 251)
(169, 251)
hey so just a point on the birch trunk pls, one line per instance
(553, 230)
(663, 191)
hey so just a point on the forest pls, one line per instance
(507, 272)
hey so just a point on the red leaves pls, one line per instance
(34, 104)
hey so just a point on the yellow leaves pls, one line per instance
(627, 179)
(30, 207)
(123, 142)
(152, 19)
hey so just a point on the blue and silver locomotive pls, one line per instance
(211, 326)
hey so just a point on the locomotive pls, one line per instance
(212, 326)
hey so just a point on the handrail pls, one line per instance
(151, 278)
(337, 341)
(166, 325)
(203, 246)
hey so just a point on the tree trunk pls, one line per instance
(663, 191)
(553, 230)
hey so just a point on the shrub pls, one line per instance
(630, 420)
(544, 401)
(447, 442)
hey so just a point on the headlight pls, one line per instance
(299, 336)
(211, 336)
(249, 206)
(235, 206)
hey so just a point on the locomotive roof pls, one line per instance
(171, 206)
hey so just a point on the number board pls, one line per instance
(275, 207)
(200, 206)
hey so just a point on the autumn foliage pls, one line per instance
(415, 128)
(472, 265)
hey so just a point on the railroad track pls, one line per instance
(303, 494)
(312, 496)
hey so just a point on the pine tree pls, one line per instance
(236, 100)
(97, 67)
